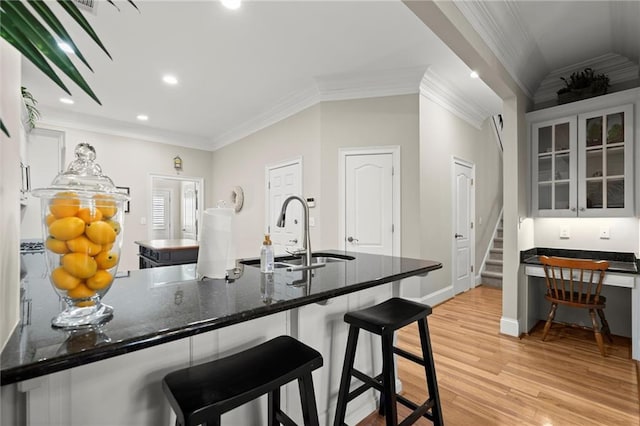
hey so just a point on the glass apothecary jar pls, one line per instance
(82, 219)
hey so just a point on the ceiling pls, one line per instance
(242, 70)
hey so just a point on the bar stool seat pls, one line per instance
(384, 319)
(202, 393)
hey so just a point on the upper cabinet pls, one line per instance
(582, 160)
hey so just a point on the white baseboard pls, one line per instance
(434, 298)
(509, 326)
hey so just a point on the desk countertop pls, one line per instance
(621, 262)
(159, 305)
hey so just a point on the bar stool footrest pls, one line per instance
(408, 355)
(418, 411)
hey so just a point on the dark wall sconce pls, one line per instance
(177, 163)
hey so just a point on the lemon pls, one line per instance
(50, 219)
(64, 204)
(100, 280)
(89, 215)
(67, 228)
(115, 225)
(79, 265)
(56, 246)
(100, 232)
(82, 244)
(106, 205)
(64, 280)
(80, 292)
(106, 260)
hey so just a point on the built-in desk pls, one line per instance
(621, 290)
(154, 253)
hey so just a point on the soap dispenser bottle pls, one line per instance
(266, 255)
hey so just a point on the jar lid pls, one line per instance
(83, 177)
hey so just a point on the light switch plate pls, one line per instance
(564, 233)
(604, 233)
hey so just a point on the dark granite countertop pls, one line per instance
(626, 263)
(159, 305)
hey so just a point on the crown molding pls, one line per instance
(501, 26)
(335, 87)
(442, 92)
(619, 69)
(61, 118)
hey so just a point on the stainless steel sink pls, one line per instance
(291, 263)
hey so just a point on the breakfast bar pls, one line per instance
(167, 318)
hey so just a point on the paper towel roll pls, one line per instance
(217, 251)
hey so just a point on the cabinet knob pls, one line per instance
(582, 209)
(351, 239)
(573, 209)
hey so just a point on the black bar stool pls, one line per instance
(202, 393)
(384, 319)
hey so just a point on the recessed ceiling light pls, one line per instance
(142, 117)
(231, 4)
(474, 74)
(67, 101)
(170, 79)
(65, 47)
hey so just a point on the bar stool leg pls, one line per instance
(308, 399)
(389, 381)
(430, 371)
(345, 379)
(273, 402)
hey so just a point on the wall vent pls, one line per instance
(88, 5)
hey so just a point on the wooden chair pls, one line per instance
(577, 283)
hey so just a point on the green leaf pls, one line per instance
(75, 13)
(4, 129)
(45, 42)
(18, 40)
(52, 21)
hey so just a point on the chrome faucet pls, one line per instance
(306, 244)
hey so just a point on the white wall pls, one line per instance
(128, 162)
(442, 136)
(11, 102)
(243, 164)
(316, 134)
(585, 233)
(10, 107)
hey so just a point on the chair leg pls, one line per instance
(430, 371)
(273, 403)
(596, 332)
(547, 326)
(308, 400)
(345, 379)
(605, 326)
(388, 381)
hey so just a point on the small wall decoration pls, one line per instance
(237, 198)
(177, 163)
(124, 190)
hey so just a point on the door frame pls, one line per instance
(200, 182)
(472, 238)
(267, 170)
(343, 153)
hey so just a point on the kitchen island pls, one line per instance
(165, 319)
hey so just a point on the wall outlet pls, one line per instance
(564, 233)
(604, 233)
(143, 220)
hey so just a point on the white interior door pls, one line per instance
(463, 227)
(369, 203)
(282, 181)
(189, 209)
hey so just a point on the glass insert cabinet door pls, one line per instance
(605, 163)
(554, 167)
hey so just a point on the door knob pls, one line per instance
(458, 235)
(351, 239)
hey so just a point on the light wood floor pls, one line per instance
(486, 378)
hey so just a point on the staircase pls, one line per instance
(492, 272)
